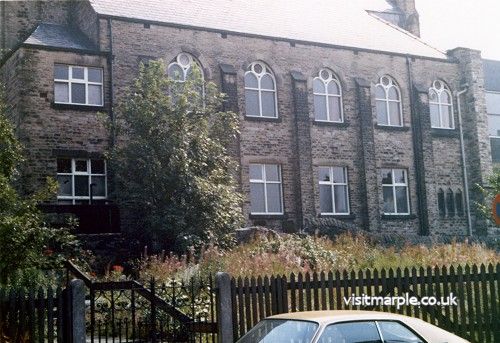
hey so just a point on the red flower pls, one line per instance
(48, 252)
(117, 268)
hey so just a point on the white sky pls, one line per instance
(447, 24)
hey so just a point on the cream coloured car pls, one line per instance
(346, 327)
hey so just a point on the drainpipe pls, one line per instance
(464, 165)
(111, 87)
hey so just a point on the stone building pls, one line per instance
(344, 111)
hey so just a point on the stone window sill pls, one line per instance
(267, 216)
(435, 132)
(77, 107)
(331, 123)
(398, 217)
(263, 119)
(338, 216)
(392, 128)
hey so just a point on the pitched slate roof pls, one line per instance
(491, 75)
(334, 22)
(58, 36)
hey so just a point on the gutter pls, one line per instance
(464, 165)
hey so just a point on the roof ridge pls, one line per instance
(408, 33)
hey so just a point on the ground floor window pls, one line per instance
(266, 195)
(81, 179)
(333, 190)
(395, 191)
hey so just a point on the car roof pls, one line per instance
(326, 317)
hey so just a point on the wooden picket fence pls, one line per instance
(33, 315)
(475, 318)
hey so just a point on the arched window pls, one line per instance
(181, 67)
(260, 91)
(450, 203)
(327, 97)
(459, 205)
(441, 106)
(388, 102)
(441, 203)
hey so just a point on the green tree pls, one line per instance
(27, 245)
(172, 169)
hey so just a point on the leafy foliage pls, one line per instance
(489, 193)
(26, 243)
(171, 164)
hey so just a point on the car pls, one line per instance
(346, 327)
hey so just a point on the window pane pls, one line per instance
(81, 166)
(386, 176)
(388, 200)
(95, 95)
(252, 103)
(459, 203)
(78, 73)
(446, 116)
(266, 82)
(61, 92)
(78, 93)
(395, 332)
(341, 200)
(493, 103)
(399, 176)
(251, 81)
(97, 166)
(268, 104)
(325, 199)
(382, 112)
(318, 86)
(433, 96)
(64, 165)
(272, 172)
(333, 88)
(445, 98)
(450, 202)
(81, 185)
(395, 113)
(175, 72)
(257, 198)
(61, 72)
(65, 186)
(95, 75)
(441, 203)
(99, 188)
(380, 92)
(334, 107)
(402, 200)
(393, 93)
(494, 125)
(357, 332)
(324, 174)
(274, 198)
(255, 172)
(434, 115)
(320, 107)
(338, 175)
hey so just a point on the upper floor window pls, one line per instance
(79, 179)
(327, 97)
(265, 189)
(333, 191)
(181, 69)
(260, 91)
(388, 102)
(395, 191)
(441, 106)
(78, 85)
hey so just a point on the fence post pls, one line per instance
(77, 311)
(224, 308)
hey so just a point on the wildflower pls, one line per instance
(117, 268)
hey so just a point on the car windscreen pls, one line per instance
(282, 331)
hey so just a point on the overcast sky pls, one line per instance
(447, 24)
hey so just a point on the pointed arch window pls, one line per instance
(260, 91)
(327, 97)
(450, 203)
(388, 102)
(441, 106)
(181, 68)
(459, 205)
(441, 203)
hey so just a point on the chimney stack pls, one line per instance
(410, 20)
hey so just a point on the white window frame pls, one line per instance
(440, 90)
(184, 66)
(493, 114)
(387, 101)
(332, 185)
(85, 82)
(393, 186)
(265, 182)
(265, 71)
(73, 198)
(331, 78)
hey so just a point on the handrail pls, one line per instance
(78, 273)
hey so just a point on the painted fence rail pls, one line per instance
(476, 317)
